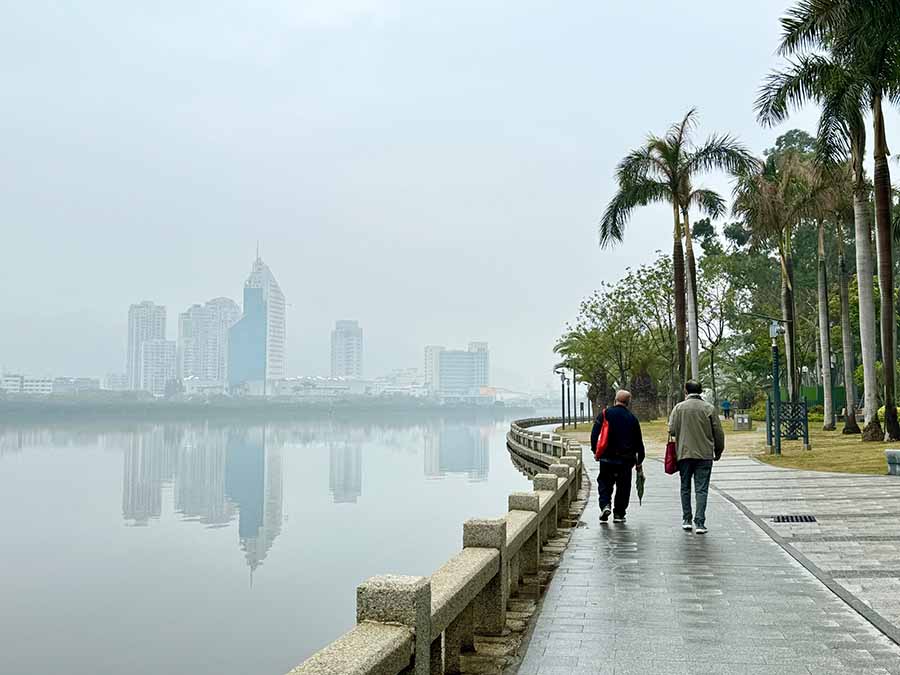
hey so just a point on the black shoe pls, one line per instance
(686, 524)
(619, 519)
(604, 513)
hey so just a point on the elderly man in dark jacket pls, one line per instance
(624, 452)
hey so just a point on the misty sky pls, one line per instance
(434, 169)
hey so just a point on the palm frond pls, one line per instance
(631, 195)
(709, 202)
(722, 152)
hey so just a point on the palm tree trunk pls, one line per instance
(851, 426)
(693, 332)
(882, 182)
(789, 314)
(864, 273)
(824, 332)
(680, 319)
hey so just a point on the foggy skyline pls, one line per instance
(434, 170)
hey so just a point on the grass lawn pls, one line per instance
(832, 451)
(655, 435)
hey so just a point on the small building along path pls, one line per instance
(646, 597)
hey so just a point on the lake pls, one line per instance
(227, 549)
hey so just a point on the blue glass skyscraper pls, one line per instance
(247, 344)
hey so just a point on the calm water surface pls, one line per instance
(233, 550)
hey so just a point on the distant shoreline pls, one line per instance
(29, 411)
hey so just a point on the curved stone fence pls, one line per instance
(421, 625)
(540, 448)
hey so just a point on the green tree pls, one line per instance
(663, 170)
(864, 37)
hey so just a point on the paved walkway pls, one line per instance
(645, 597)
(854, 545)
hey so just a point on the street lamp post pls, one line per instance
(562, 392)
(574, 399)
(774, 330)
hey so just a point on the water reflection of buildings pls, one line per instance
(214, 473)
(253, 481)
(458, 450)
(345, 473)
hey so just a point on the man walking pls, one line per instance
(624, 452)
(699, 440)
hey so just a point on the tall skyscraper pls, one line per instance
(347, 350)
(433, 367)
(256, 348)
(203, 339)
(463, 373)
(158, 365)
(146, 321)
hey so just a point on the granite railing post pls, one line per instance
(562, 471)
(572, 462)
(578, 455)
(547, 482)
(459, 638)
(490, 605)
(530, 553)
(403, 600)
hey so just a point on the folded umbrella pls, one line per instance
(639, 483)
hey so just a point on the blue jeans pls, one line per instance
(700, 470)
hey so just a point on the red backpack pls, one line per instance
(603, 439)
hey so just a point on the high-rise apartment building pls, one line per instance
(433, 367)
(462, 373)
(203, 339)
(256, 342)
(347, 350)
(146, 321)
(158, 365)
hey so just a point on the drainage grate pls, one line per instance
(794, 519)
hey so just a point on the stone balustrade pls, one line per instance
(422, 625)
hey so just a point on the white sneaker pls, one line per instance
(604, 515)
(701, 529)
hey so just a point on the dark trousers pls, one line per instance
(699, 470)
(615, 475)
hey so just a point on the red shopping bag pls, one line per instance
(603, 439)
(671, 458)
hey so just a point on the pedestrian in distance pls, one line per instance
(726, 409)
(699, 441)
(623, 453)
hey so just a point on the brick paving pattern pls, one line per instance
(645, 597)
(855, 542)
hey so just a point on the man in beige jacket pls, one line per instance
(699, 440)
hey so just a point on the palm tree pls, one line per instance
(772, 201)
(841, 139)
(864, 35)
(662, 171)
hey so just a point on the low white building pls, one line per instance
(25, 384)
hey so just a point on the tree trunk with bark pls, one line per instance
(824, 332)
(691, 289)
(680, 319)
(883, 230)
(864, 275)
(851, 426)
